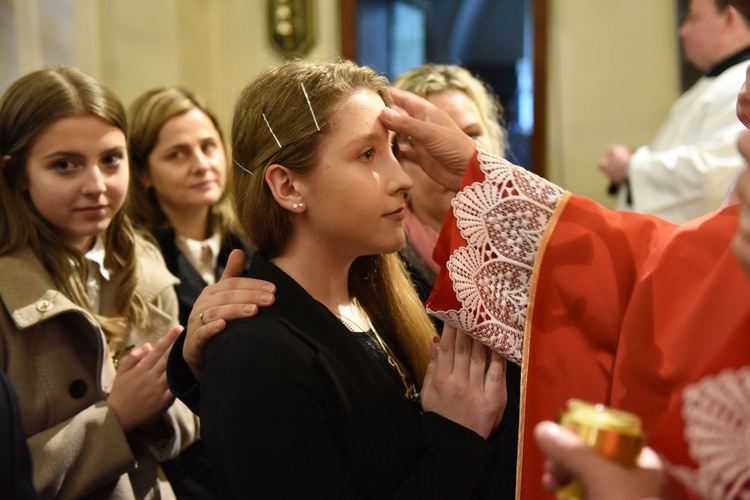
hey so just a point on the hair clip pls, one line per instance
(271, 130)
(309, 105)
(243, 168)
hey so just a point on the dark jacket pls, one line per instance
(191, 283)
(293, 406)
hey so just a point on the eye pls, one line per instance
(63, 165)
(175, 155)
(368, 155)
(209, 148)
(112, 160)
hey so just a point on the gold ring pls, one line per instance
(201, 317)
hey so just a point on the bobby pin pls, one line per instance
(310, 106)
(243, 168)
(270, 130)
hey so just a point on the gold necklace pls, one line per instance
(411, 390)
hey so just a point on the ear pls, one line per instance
(283, 184)
(734, 18)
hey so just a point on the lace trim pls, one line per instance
(503, 220)
(716, 411)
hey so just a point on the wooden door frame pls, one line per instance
(540, 10)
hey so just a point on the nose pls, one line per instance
(201, 161)
(400, 180)
(682, 30)
(95, 183)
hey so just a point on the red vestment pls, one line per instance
(609, 307)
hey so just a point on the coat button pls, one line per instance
(44, 306)
(77, 389)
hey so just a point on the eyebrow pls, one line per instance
(79, 156)
(368, 137)
(184, 144)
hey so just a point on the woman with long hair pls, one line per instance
(89, 307)
(333, 391)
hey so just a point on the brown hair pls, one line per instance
(147, 115)
(379, 283)
(433, 78)
(29, 106)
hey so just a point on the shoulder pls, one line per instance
(24, 278)
(263, 338)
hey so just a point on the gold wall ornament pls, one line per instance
(291, 26)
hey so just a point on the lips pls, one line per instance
(204, 185)
(397, 214)
(93, 211)
(92, 208)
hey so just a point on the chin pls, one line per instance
(397, 245)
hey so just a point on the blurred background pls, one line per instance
(573, 75)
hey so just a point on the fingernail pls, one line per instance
(249, 309)
(268, 288)
(266, 298)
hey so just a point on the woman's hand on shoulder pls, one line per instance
(232, 297)
(465, 382)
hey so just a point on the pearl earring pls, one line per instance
(298, 205)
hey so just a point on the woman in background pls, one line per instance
(178, 181)
(178, 184)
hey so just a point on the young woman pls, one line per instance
(317, 395)
(178, 184)
(89, 307)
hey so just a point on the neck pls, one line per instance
(194, 224)
(322, 275)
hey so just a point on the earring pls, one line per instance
(298, 205)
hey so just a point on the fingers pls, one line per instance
(564, 447)
(235, 265)
(430, 372)
(477, 360)
(158, 355)
(446, 350)
(405, 126)
(230, 298)
(494, 379)
(132, 358)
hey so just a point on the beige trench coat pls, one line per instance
(57, 359)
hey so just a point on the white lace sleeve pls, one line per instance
(503, 219)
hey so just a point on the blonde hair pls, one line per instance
(379, 283)
(29, 106)
(147, 115)
(433, 78)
